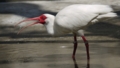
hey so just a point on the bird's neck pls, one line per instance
(50, 26)
(50, 29)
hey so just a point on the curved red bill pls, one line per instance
(27, 26)
(29, 19)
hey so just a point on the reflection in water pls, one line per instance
(76, 65)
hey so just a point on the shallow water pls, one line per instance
(58, 55)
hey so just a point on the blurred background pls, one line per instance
(22, 0)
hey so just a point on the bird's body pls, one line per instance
(74, 18)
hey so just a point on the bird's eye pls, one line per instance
(43, 17)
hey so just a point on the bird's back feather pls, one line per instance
(77, 16)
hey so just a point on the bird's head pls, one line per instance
(40, 20)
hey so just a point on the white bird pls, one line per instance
(74, 19)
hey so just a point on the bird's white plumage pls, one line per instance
(89, 8)
(78, 16)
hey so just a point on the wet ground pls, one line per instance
(34, 48)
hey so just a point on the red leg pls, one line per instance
(87, 47)
(75, 46)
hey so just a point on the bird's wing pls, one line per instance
(74, 20)
(78, 16)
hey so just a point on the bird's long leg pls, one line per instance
(75, 46)
(87, 47)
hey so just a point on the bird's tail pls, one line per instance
(112, 16)
(116, 9)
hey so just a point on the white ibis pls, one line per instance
(74, 19)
